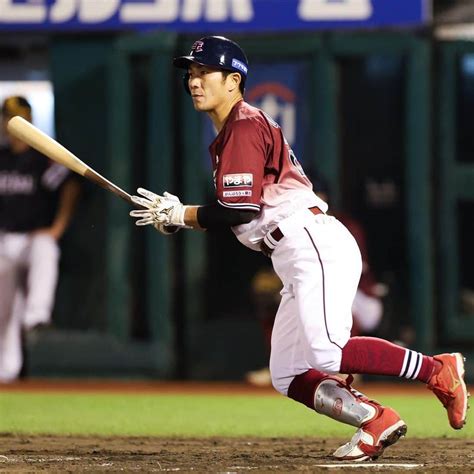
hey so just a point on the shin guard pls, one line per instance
(338, 400)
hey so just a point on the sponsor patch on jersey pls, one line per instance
(237, 193)
(239, 65)
(238, 180)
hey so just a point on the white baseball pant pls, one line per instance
(28, 278)
(319, 264)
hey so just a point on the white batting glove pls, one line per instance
(172, 211)
(149, 201)
(166, 210)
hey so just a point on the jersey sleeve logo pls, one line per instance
(238, 180)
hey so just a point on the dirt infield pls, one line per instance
(21, 453)
(32, 453)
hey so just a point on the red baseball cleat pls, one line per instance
(383, 429)
(448, 385)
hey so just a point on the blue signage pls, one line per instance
(281, 90)
(187, 16)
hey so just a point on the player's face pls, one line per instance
(208, 87)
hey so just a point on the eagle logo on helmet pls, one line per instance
(197, 47)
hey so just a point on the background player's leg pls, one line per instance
(18, 312)
(43, 258)
(10, 326)
(367, 313)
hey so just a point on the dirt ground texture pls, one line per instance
(22, 453)
(54, 453)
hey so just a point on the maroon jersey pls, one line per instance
(255, 169)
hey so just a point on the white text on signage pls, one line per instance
(169, 11)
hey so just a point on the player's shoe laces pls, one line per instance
(449, 386)
(382, 429)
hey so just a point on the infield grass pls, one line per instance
(199, 415)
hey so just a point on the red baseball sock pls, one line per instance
(303, 386)
(370, 355)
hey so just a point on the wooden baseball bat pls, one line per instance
(25, 131)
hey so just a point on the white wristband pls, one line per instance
(177, 216)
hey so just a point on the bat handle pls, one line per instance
(109, 186)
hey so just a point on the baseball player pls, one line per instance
(37, 198)
(262, 193)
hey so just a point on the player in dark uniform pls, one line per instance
(263, 194)
(37, 198)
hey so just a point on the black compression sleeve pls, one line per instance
(215, 216)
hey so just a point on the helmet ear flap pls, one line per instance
(186, 83)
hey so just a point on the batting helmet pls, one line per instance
(215, 51)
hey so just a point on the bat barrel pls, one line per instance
(28, 133)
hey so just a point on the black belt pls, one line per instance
(270, 241)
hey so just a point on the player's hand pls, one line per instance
(171, 211)
(149, 200)
(166, 210)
